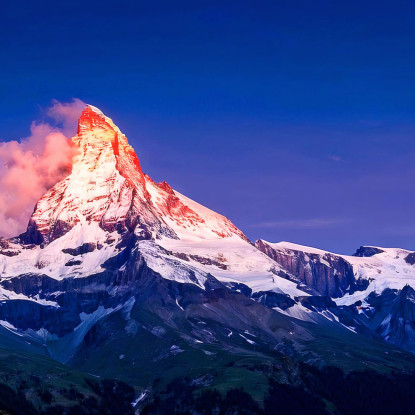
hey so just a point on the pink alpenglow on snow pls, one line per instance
(107, 186)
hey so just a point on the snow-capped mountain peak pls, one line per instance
(106, 184)
(106, 200)
(107, 187)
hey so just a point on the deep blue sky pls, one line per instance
(295, 119)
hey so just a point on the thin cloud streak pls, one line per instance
(312, 223)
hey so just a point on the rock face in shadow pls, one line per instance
(393, 316)
(80, 250)
(367, 251)
(328, 274)
(410, 259)
(271, 299)
(317, 302)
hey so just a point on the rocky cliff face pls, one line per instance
(326, 273)
(391, 314)
(367, 251)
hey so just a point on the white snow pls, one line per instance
(51, 259)
(96, 110)
(245, 263)
(139, 398)
(248, 340)
(11, 295)
(295, 247)
(178, 305)
(8, 326)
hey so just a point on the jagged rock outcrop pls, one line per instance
(367, 251)
(393, 316)
(326, 273)
(410, 258)
(317, 303)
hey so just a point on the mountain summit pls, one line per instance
(107, 199)
(107, 186)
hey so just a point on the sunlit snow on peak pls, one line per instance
(96, 110)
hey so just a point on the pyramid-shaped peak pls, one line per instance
(92, 117)
(90, 112)
(107, 187)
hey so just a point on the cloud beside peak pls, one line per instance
(67, 114)
(32, 165)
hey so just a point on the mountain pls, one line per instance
(107, 187)
(107, 197)
(124, 278)
(375, 284)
